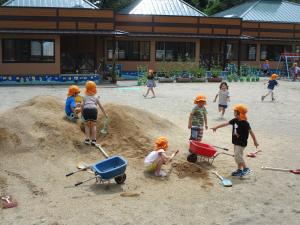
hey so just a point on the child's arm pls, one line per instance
(102, 109)
(205, 121)
(219, 126)
(190, 121)
(216, 97)
(253, 138)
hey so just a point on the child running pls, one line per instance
(224, 98)
(155, 159)
(240, 132)
(271, 85)
(150, 84)
(71, 108)
(198, 116)
(90, 112)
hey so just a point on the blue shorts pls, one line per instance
(223, 106)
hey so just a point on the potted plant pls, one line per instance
(164, 73)
(235, 78)
(184, 77)
(182, 71)
(242, 79)
(248, 78)
(215, 76)
(230, 78)
(199, 75)
(142, 75)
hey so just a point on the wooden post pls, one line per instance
(210, 53)
(224, 55)
(239, 57)
(113, 72)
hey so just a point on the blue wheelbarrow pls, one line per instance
(110, 168)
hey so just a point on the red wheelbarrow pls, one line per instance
(204, 151)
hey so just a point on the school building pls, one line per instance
(74, 40)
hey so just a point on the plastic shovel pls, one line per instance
(296, 171)
(253, 154)
(225, 182)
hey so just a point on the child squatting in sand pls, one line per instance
(240, 132)
(198, 116)
(71, 108)
(155, 159)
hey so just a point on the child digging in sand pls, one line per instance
(240, 132)
(271, 85)
(155, 159)
(224, 98)
(71, 108)
(90, 112)
(197, 118)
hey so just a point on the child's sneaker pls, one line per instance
(237, 173)
(246, 171)
(93, 143)
(273, 99)
(160, 174)
(262, 98)
(87, 141)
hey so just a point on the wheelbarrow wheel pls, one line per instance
(192, 158)
(120, 179)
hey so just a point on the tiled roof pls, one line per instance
(162, 7)
(265, 10)
(51, 3)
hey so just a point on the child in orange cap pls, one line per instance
(198, 118)
(155, 159)
(150, 84)
(71, 109)
(240, 132)
(271, 85)
(90, 112)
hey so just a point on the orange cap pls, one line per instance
(242, 109)
(200, 98)
(90, 88)
(161, 143)
(73, 89)
(273, 76)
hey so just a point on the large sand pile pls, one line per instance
(39, 126)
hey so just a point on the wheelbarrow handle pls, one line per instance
(225, 149)
(76, 171)
(79, 183)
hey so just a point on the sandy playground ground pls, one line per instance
(38, 147)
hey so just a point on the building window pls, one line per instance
(272, 52)
(249, 52)
(28, 51)
(297, 48)
(231, 51)
(174, 51)
(129, 50)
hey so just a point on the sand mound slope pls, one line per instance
(39, 126)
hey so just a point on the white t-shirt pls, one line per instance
(153, 156)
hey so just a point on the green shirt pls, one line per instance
(198, 115)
